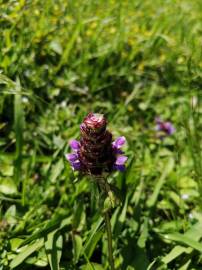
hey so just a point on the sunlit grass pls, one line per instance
(132, 61)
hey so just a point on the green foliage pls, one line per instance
(133, 61)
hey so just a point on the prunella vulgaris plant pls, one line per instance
(97, 155)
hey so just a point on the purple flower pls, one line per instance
(120, 163)
(95, 153)
(74, 160)
(75, 145)
(120, 160)
(76, 165)
(71, 157)
(119, 142)
(166, 127)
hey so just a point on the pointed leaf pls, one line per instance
(53, 246)
(26, 253)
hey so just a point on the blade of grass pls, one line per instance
(53, 246)
(69, 47)
(168, 168)
(180, 238)
(18, 126)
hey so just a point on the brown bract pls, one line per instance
(96, 153)
(95, 122)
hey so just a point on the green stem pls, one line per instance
(109, 239)
(105, 188)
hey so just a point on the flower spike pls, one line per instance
(95, 153)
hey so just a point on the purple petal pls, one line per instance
(76, 165)
(121, 160)
(74, 144)
(120, 168)
(119, 142)
(71, 157)
(166, 127)
(169, 128)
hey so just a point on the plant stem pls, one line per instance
(105, 188)
(109, 238)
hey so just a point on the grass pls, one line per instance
(132, 61)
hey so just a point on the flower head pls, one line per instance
(166, 127)
(95, 152)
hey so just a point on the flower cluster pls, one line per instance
(95, 152)
(164, 126)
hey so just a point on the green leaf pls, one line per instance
(10, 215)
(93, 243)
(56, 46)
(151, 265)
(26, 253)
(185, 266)
(79, 215)
(77, 245)
(144, 234)
(94, 266)
(174, 253)
(122, 216)
(69, 46)
(19, 123)
(94, 229)
(7, 186)
(53, 246)
(6, 168)
(177, 237)
(167, 169)
(40, 259)
(48, 228)
(56, 170)
(15, 243)
(194, 233)
(94, 237)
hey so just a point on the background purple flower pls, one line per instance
(164, 126)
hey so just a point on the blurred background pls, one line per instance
(133, 61)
